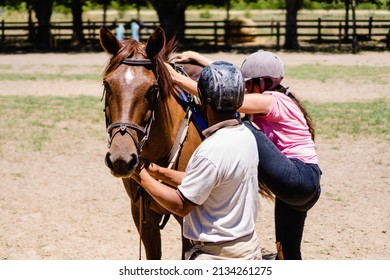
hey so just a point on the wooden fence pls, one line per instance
(219, 33)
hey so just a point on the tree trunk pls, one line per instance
(77, 12)
(291, 41)
(172, 17)
(105, 6)
(43, 10)
(346, 27)
(31, 29)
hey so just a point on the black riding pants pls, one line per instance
(296, 186)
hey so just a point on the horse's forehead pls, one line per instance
(129, 76)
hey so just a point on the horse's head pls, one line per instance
(131, 83)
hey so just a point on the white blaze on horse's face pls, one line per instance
(129, 76)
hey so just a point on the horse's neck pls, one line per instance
(168, 118)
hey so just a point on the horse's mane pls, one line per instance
(131, 46)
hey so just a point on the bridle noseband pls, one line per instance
(123, 127)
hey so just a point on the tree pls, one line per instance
(43, 10)
(105, 4)
(76, 6)
(171, 14)
(291, 39)
(77, 12)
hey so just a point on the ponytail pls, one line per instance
(300, 105)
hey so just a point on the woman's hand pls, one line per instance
(192, 57)
(174, 75)
(182, 81)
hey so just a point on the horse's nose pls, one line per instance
(120, 166)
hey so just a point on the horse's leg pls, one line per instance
(151, 236)
(186, 245)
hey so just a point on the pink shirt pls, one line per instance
(286, 127)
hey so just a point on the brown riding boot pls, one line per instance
(279, 250)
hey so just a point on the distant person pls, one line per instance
(120, 31)
(135, 29)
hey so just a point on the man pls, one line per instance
(218, 193)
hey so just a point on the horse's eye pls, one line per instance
(154, 89)
(152, 96)
(106, 85)
(106, 88)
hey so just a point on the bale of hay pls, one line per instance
(240, 28)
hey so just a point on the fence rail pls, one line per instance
(220, 33)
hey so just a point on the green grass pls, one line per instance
(325, 73)
(32, 122)
(54, 76)
(371, 118)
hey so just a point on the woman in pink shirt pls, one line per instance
(288, 159)
(288, 163)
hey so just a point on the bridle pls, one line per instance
(126, 127)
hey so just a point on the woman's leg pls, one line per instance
(291, 180)
(289, 224)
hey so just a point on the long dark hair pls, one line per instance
(300, 105)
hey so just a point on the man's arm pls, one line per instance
(166, 196)
(167, 175)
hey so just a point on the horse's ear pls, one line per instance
(155, 43)
(108, 41)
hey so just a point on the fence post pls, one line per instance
(319, 29)
(340, 34)
(2, 30)
(369, 28)
(354, 38)
(278, 35)
(94, 30)
(215, 33)
(227, 34)
(89, 28)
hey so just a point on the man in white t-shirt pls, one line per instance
(218, 193)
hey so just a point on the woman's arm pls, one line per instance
(183, 81)
(192, 58)
(256, 103)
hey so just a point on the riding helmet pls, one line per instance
(221, 84)
(265, 65)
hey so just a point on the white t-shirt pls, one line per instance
(221, 179)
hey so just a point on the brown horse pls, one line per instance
(144, 116)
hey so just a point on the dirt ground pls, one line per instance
(64, 204)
